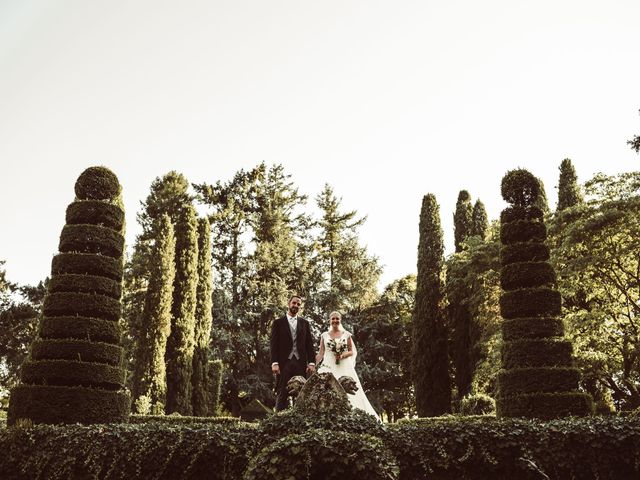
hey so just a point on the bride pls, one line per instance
(338, 355)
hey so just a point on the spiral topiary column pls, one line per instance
(75, 369)
(538, 379)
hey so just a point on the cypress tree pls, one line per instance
(537, 379)
(180, 345)
(200, 377)
(479, 220)
(431, 373)
(214, 385)
(74, 373)
(462, 219)
(149, 377)
(568, 188)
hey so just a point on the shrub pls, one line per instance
(82, 328)
(97, 183)
(531, 327)
(81, 350)
(522, 231)
(91, 239)
(511, 214)
(526, 274)
(524, 252)
(545, 352)
(73, 373)
(83, 304)
(87, 264)
(95, 212)
(85, 284)
(477, 404)
(520, 188)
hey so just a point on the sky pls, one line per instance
(386, 101)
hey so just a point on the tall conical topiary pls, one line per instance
(568, 189)
(204, 318)
(462, 219)
(180, 345)
(74, 373)
(149, 375)
(431, 365)
(537, 379)
(479, 220)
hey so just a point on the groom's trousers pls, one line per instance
(291, 368)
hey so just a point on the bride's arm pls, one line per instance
(351, 349)
(320, 354)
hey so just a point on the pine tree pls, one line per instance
(180, 345)
(538, 379)
(479, 220)
(149, 377)
(462, 219)
(200, 377)
(431, 372)
(75, 373)
(568, 188)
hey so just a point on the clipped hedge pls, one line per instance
(60, 404)
(97, 183)
(185, 420)
(320, 454)
(81, 328)
(524, 252)
(511, 214)
(539, 379)
(95, 212)
(526, 274)
(81, 350)
(522, 231)
(83, 304)
(543, 352)
(531, 327)
(85, 284)
(530, 302)
(73, 373)
(87, 264)
(91, 239)
(548, 406)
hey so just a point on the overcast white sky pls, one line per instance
(385, 101)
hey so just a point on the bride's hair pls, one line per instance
(335, 312)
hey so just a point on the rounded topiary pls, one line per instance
(320, 454)
(87, 264)
(513, 213)
(524, 252)
(520, 231)
(520, 188)
(477, 404)
(81, 328)
(526, 274)
(95, 212)
(531, 328)
(97, 183)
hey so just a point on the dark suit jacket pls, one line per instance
(282, 342)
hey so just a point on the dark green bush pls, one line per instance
(546, 406)
(184, 420)
(81, 350)
(97, 183)
(544, 352)
(524, 252)
(477, 404)
(83, 304)
(527, 274)
(537, 380)
(95, 212)
(73, 373)
(81, 328)
(520, 188)
(58, 404)
(530, 302)
(511, 214)
(87, 264)
(531, 327)
(85, 284)
(320, 454)
(91, 239)
(522, 231)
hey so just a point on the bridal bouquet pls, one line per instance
(338, 348)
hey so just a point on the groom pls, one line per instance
(292, 351)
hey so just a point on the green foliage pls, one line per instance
(430, 369)
(477, 404)
(204, 320)
(86, 264)
(515, 212)
(70, 349)
(635, 143)
(97, 183)
(525, 352)
(91, 239)
(479, 220)
(524, 252)
(149, 375)
(520, 188)
(529, 302)
(214, 385)
(82, 304)
(568, 189)
(188, 421)
(526, 275)
(95, 212)
(531, 328)
(522, 231)
(82, 328)
(462, 219)
(85, 284)
(323, 454)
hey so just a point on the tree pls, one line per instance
(430, 369)
(149, 376)
(462, 219)
(181, 342)
(538, 379)
(568, 189)
(74, 372)
(479, 220)
(635, 143)
(596, 256)
(204, 319)
(382, 335)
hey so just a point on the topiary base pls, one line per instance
(545, 406)
(51, 405)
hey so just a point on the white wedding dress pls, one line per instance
(345, 367)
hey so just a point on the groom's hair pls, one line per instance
(292, 297)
